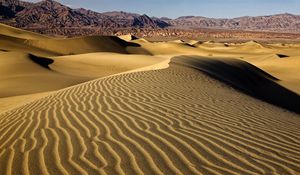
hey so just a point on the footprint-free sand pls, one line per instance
(103, 105)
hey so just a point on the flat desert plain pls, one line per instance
(113, 105)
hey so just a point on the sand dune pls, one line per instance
(166, 48)
(19, 75)
(23, 74)
(25, 69)
(171, 121)
(102, 64)
(245, 77)
(9, 43)
(12, 102)
(19, 33)
(102, 105)
(83, 45)
(20, 40)
(127, 37)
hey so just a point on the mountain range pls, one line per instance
(51, 17)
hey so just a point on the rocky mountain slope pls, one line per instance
(135, 20)
(49, 14)
(280, 23)
(9, 8)
(51, 17)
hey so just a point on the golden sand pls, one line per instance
(101, 105)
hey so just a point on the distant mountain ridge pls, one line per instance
(49, 13)
(280, 23)
(51, 17)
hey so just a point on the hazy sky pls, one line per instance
(175, 8)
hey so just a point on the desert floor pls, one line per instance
(113, 105)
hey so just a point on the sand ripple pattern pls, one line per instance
(171, 121)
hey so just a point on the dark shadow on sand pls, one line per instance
(244, 77)
(282, 56)
(44, 62)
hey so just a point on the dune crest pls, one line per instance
(19, 33)
(245, 77)
(83, 45)
(102, 105)
(128, 37)
(171, 121)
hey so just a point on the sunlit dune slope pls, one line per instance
(19, 33)
(176, 120)
(20, 75)
(102, 64)
(105, 105)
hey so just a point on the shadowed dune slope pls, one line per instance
(170, 121)
(14, 39)
(245, 77)
(10, 43)
(82, 45)
(21, 40)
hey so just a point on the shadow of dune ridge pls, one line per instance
(42, 61)
(121, 42)
(244, 77)
(282, 56)
(82, 45)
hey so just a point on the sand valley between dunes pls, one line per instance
(110, 105)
